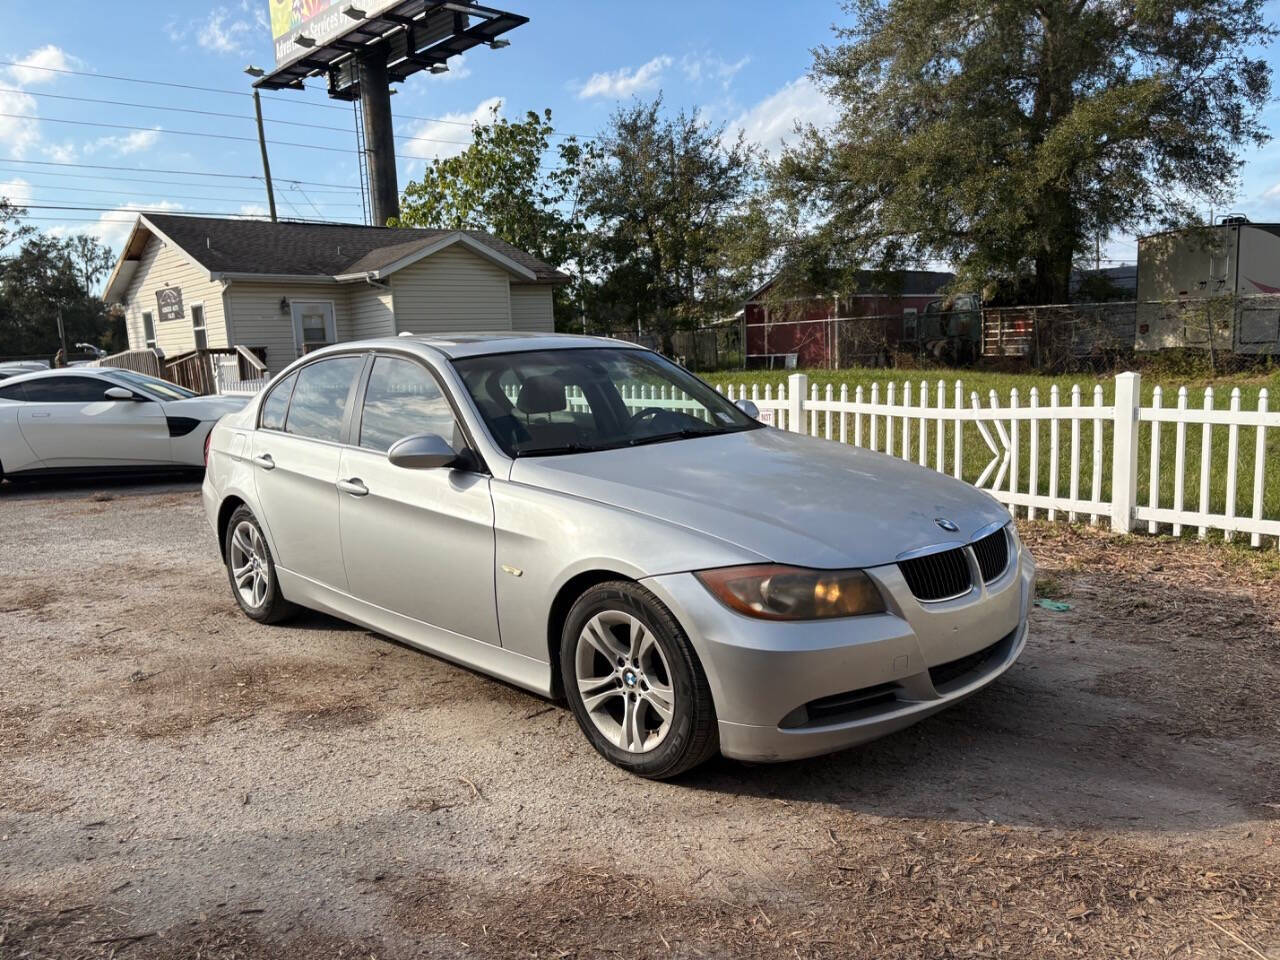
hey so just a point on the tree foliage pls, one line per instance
(42, 276)
(510, 182)
(664, 195)
(1006, 137)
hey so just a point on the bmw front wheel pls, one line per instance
(635, 684)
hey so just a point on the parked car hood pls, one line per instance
(783, 496)
(204, 408)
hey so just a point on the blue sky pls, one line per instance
(740, 63)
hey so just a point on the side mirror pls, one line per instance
(424, 451)
(120, 393)
(749, 408)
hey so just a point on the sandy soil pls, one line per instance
(177, 781)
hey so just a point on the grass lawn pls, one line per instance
(977, 455)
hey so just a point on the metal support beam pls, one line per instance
(380, 146)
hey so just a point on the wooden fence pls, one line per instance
(1071, 457)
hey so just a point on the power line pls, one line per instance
(163, 195)
(255, 190)
(218, 136)
(210, 113)
(236, 93)
(191, 173)
(144, 208)
(107, 76)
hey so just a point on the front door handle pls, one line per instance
(36, 416)
(355, 486)
(265, 462)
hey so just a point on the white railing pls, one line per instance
(1077, 458)
(226, 374)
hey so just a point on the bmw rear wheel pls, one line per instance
(634, 683)
(252, 571)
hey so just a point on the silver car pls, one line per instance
(587, 520)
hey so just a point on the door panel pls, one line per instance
(299, 502)
(100, 432)
(420, 543)
(296, 469)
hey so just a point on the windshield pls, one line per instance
(548, 402)
(160, 388)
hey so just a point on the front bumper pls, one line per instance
(783, 691)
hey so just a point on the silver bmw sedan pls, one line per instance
(587, 520)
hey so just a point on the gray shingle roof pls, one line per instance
(315, 249)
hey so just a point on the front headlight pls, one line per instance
(773, 592)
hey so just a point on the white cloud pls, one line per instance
(222, 32)
(113, 227)
(773, 119)
(625, 82)
(27, 70)
(710, 67)
(125, 144)
(253, 210)
(61, 152)
(20, 132)
(17, 191)
(1272, 193)
(458, 69)
(444, 138)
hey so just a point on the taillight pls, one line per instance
(208, 438)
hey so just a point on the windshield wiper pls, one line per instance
(684, 433)
(553, 451)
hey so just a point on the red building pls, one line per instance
(834, 331)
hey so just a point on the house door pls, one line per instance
(313, 325)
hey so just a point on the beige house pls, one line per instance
(189, 283)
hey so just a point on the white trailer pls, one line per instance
(1222, 280)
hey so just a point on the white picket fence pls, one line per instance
(1037, 458)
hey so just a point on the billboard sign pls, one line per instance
(320, 20)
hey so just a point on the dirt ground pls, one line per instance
(177, 781)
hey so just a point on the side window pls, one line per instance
(148, 329)
(320, 398)
(276, 404)
(66, 390)
(403, 399)
(14, 391)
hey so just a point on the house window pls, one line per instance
(198, 328)
(149, 329)
(909, 324)
(313, 325)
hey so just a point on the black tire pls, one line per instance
(273, 608)
(692, 737)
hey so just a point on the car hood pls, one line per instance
(786, 497)
(205, 408)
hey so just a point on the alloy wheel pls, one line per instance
(625, 681)
(249, 565)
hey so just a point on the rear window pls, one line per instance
(320, 398)
(276, 405)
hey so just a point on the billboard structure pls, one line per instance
(362, 46)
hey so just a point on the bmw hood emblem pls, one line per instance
(945, 524)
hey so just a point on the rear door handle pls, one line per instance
(265, 462)
(355, 486)
(35, 416)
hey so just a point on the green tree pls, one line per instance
(510, 182)
(1005, 137)
(47, 276)
(664, 195)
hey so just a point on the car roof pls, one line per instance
(58, 372)
(472, 344)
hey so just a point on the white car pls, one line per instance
(15, 368)
(100, 420)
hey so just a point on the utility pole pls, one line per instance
(266, 164)
(379, 138)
